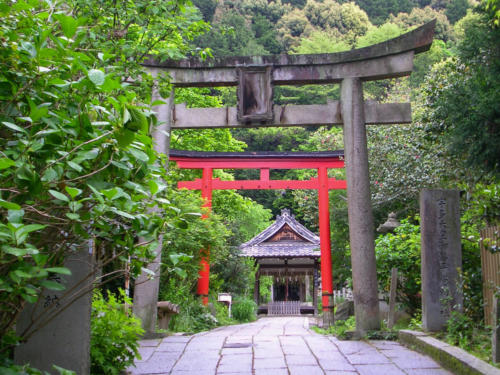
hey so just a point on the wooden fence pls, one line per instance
(490, 264)
(283, 308)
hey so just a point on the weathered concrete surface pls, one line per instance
(293, 115)
(390, 66)
(441, 256)
(364, 269)
(454, 359)
(58, 325)
(223, 71)
(146, 287)
(278, 346)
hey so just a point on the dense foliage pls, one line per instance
(401, 250)
(462, 96)
(244, 310)
(77, 163)
(115, 334)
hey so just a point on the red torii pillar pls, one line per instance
(204, 273)
(207, 184)
(325, 246)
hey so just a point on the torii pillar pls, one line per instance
(204, 272)
(359, 207)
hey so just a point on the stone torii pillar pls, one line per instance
(147, 287)
(256, 75)
(364, 268)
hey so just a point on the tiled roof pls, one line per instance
(257, 247)
(279, 249)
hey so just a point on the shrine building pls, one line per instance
(289, 253)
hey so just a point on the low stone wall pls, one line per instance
(456, 360)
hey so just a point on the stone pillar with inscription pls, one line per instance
(57, 327)
(441, 257)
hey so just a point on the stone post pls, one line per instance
(441, 257)
(392, 298)
(364, 272)
(146, 288)
(57, 327)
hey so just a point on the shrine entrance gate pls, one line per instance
(264, 161)
(255, 77)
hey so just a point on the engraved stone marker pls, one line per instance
(441, 257)
(58, 325)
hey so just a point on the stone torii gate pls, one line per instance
(255, 77)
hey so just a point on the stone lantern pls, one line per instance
(390, 224)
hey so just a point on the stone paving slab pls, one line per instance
(277, 346)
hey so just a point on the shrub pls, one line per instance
(244, 310)
(222, 314)
(401, 249)
(468, 334)
(459, 328)
(115, 334)
(193, 317)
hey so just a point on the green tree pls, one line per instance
(292, 26)
(423, 62)
(321, 42)
(456, 10)
(419, 16)
(232, 36)
(266, 35)
(401, 250)
(207, 8)
(462, 97)
(77, 161)
(347, 18)
(380, 10)
(493, 9)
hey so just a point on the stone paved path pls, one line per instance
(276, 346)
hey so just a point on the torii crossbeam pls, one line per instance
(322, 161)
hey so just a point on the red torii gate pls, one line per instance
(264, 161)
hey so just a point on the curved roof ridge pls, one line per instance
(285, 218)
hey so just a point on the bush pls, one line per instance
(468, 334)
(193, 317)
(459, 329)
(401, 249)
(244, 310)
(115, 334)
(222, 314)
